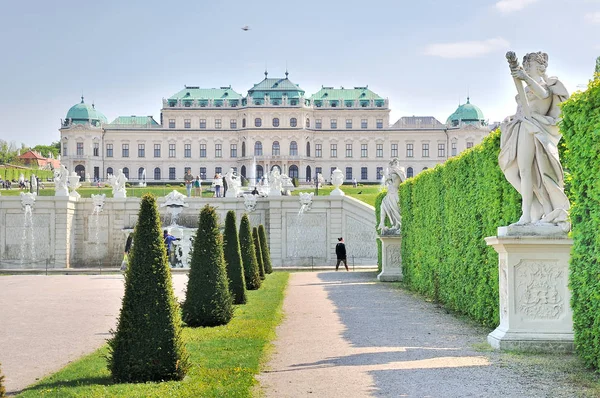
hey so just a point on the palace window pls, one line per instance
(425, 150)
(308, 149)
(363, 123)
(469, 144)
(275, 122)
(379, 123)
(409, 172)
(233, 150)
(453, 148)
(333, 150)
(258, 148)
(257, 122)
(318, 123)
(307, 123)
(293, 171)
(379, 150)
(125, 150)
(217, 123)
(293, 122)
(203, 173)
(394, 150)
(64, 149)
(187, 150)
(409, 150)
(363, 150)
(171, 123)
(441, 150)
(96, 149)
(334, 123)
(141, 150)
(244, 122)
(218, 170)
(109, 171)
(171, 173)
(171, 150)
(348, 150)
(157, 173)
(293, 148)
(348, 173)
(126, 172)
(363, 173)
(218, 151)
(109, 151)
(187, 123)
(318, 150)
(275, 148)
(233, 124)
(80, 149)
(348, 123)
(379, 173)
(202, 150)
(156, 150)
(202, 123)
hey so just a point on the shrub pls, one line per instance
(581, 127)
(251, 273)
(446, 214)
(208, 300)
(2, 389)
(233, 260)
(259, 257)
(264, 247)
(147, 345)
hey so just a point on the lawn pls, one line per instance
(224, 359)
(365, 193)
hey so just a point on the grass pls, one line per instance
(367, 194)
(225, 359)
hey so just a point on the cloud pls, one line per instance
(593, 17)
(466, 49)
(507, 6)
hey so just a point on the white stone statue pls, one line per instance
(528, 145)
(98, 201)
(61, 179)
(286, 184)
(117, 182)
(320, 180)
(390, 207)
(175, 198)
(250, 202)
(306, 199)
(337, 179)
(27, 199)
(234, 185)
(275, 183)
(74, 183)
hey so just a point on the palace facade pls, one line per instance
(209, 130)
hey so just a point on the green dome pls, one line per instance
(83, 113)
(467, 114)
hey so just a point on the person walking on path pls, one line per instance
(188, 179)
(198, 187)
(340, 252)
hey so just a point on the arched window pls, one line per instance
(257, 122)
(126, 172)
(141, 173)
(275, 122)
(307, 122)
(409, 172)
(308, 174)
(293, 148)
(259, 173)
(293, 122)
(293, 170)
(308, 149)
(80, 170)
(243, 171)
(109, 171)
(244, 122)
(258, 148)
(276, 148)
(244, 148)
(157, 174)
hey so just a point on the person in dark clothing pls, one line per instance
(128, 244)
(340, 251)
(169, 239)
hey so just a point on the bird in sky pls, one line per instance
(246, 28)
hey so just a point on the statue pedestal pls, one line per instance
(391, 258)
(535, 311)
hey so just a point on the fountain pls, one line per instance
(337, 179)
(142, 182)
(253, 181)
(175, 202)
(306, 199)
(249, 202)
(27, 202)
(74, 183)
(98, 201)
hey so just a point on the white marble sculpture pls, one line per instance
(275, 182)
(287, 185)
(27, 199)
(98, 201)
(117, 182)
(320, 180)
(74, 183)
(306, 199)
(250, 202)
(337, 179)
(528, 145)
(390, 208)
(175, 198)
(234, 184)
(61, 179)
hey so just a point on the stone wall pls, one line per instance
(66, 233)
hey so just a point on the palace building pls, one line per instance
(210, 130)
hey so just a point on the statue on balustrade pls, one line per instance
(390, 207)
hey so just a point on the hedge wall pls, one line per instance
(446, 214)
(581, 132)
(14, 173)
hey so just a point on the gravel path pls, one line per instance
(48, 321)
(347, 335)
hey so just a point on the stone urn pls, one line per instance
(337, 179)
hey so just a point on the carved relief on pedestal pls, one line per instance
(539, 292)
(361, 239)
(503, 291)
(393, 256)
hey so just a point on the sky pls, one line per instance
(425, 56)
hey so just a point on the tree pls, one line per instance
(2, 389)
(259, 258)
(147, 345)
(233, 260)
(208, 300)
(249, 260)
(264, 247)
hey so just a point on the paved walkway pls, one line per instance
(347, 335)
(48, 321)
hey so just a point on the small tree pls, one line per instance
(264, 247)
(249, 260)
(208, 300)
(147, 345)
(233, 260)
(259, 258)
(2, 389)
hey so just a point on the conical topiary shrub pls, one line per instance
(249, 255)
(259, 260)
(264, 247)
(147, 345)
(2, 389)
(233, 260)
(207, 300)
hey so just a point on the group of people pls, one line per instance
(190, 183)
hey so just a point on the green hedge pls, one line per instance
(581, 132)
(14, 173)
(446, 214)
